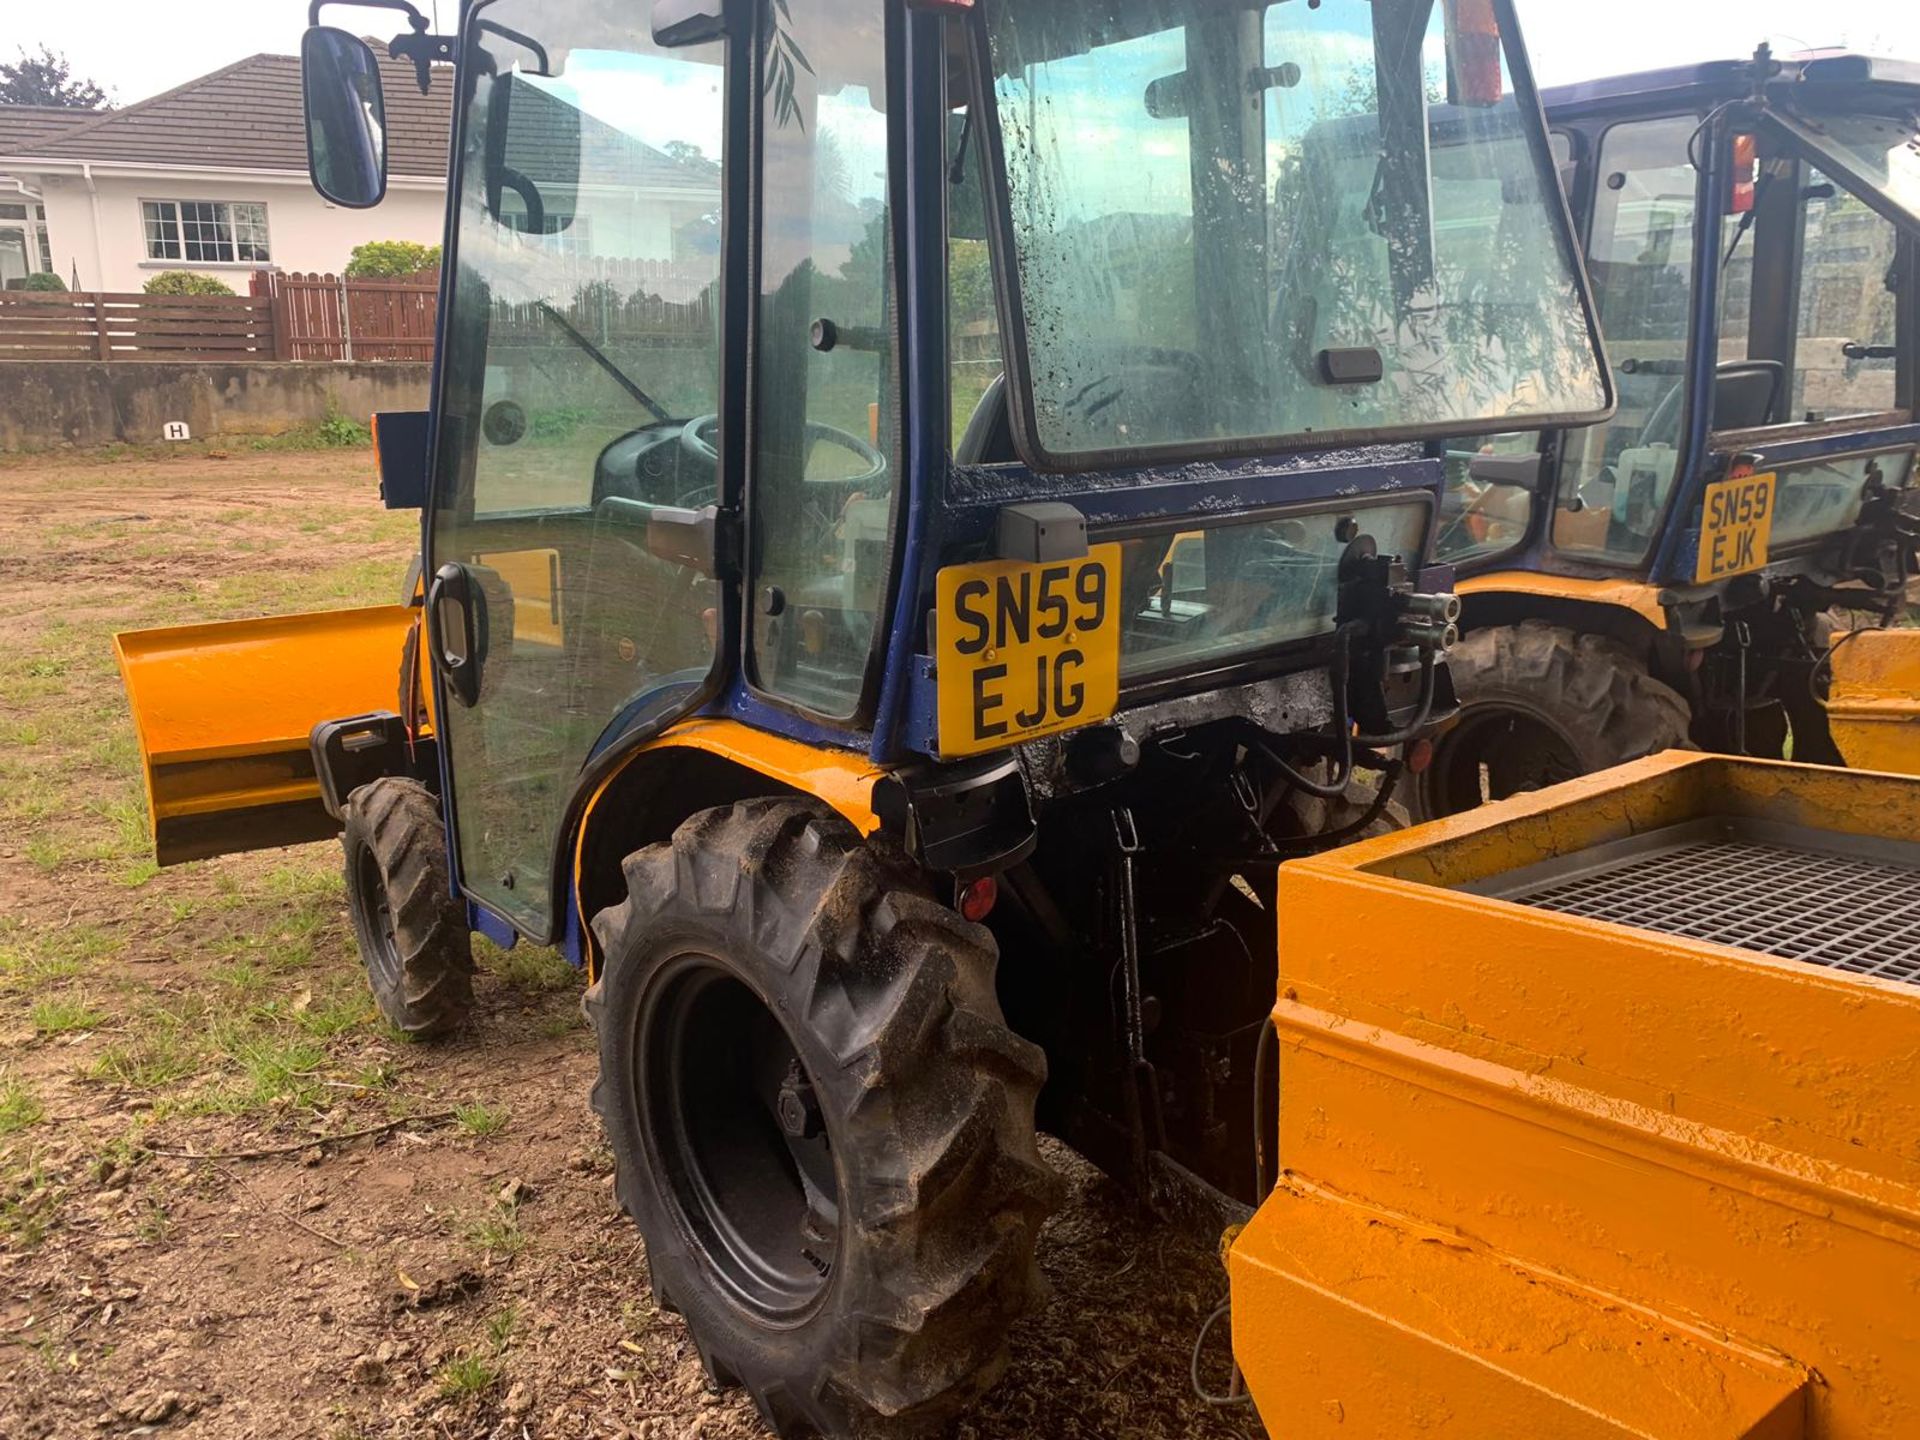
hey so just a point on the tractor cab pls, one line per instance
(925, 382)
(908, 485)
(1752, 232)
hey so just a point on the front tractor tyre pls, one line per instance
(1540, 704)
(412, 929)
(819, 1119)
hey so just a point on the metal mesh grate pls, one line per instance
(1846, 912)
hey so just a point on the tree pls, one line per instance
(185, 282)
(47, 79)
(391, 259)
(685, 152)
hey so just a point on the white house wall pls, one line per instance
(304, 232)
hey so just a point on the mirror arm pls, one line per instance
(422, 49)
(414, 17)
(419, 47)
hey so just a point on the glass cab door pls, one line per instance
(581, 397)
(826, 422)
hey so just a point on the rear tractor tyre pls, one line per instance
(819, 1119)
(1307, 815)
(1540, 704)
(412, 930)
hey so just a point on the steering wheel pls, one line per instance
(1663, 421)
(698, 438)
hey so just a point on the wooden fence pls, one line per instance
(648, 303)
(286, 317)
(84, 326)
(326, 317)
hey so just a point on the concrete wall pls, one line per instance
(304, 232)
(78, 402)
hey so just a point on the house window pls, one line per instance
(34, 231)
(203, 232)
(570, 234)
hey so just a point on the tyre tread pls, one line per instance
(937, 1101)
(399, 821)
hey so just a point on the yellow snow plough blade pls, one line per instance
(224, 711)
(1600, 1117)
(1873, 705)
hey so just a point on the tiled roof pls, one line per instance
(555, 146)
(248, 117)
(22, 124)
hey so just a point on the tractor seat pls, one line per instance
(1746, 394)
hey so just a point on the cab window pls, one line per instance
(1480, 515)
(1617, 477)
(826, 420)
(975, 391)
(1843, 361)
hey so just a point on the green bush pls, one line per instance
(338, 429)
(559, 423)
(391, 260)
(185, 282)
(43, 280)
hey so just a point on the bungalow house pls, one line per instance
(24, 247)
(209, 177)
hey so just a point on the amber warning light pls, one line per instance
(1474, 76)
(1746, 174)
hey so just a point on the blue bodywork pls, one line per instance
(940, 506)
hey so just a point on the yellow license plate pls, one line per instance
(1736, 527)
(1025, 650)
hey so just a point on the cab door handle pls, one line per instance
(457, 627)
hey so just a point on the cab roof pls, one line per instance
(1821, 76)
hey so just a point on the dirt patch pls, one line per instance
(231, 1202)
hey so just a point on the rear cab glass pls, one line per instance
(1257, 256)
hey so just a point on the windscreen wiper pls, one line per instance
(599, 357)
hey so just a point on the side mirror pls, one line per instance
(346, 118)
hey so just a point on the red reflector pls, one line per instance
(1420, 756)
(977, 898)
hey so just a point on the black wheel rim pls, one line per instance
(382, 949)
(738, 1139)
(1496, 751)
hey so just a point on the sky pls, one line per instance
(136, 48)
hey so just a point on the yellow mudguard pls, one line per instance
(1873, 705)
(224, 712)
